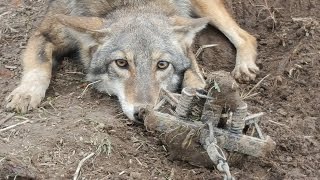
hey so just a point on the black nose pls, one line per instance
(139, 113)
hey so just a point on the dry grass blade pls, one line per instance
(277, 123)
(2, 159)
(76, 174)
(171, 177)
(250, 96)
(85, 89)
(13, 126)
(270, 10)
(254, 87)
(5, 13)
(199, 51)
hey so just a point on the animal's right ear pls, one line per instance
(187, 28)
(90, 25)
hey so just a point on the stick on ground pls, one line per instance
(85, 89)
(76, 174)
(15, 125)
(199, 51)
(254, 87)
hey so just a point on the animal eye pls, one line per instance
(163, 65)
(122, 63)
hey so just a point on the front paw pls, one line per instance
(25, 98)
(245, 71)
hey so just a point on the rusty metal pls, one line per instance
(245, 144)
(175, 113)
(232, 138)
(238, 118)
(188, 96)
(211, 113)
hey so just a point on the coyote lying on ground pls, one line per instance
(134, 47)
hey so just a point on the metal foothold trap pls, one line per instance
(197, 125)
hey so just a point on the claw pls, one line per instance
(236, 74)
(8, 98)
(254, 70)
(25, 98)
(245, 72)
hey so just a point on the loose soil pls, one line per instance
(67, 128)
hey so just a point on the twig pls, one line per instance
(279, 124)
(44, 109)
(271, 11)
(285, 62)
(5, 13)
(6, 118)
(76, 174)
(12, 29)
(254, 87)
(2, 159)
(304, 19)
(252, 4)
(139, 162)
(15, 125)
(199, 51)
(85, 89)
(250, 96)
(171, 177)
(21, 117)
(50, 103)
(253, 116)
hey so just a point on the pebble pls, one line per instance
(282, 112)
(135, 175)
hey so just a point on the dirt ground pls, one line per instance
(66, 128)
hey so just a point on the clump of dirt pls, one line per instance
(224, 90)
(12, 168)
(65, 129)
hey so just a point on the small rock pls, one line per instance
(135, 175)
(282, 112)
(289, 158)
(101, 126)
(5, 73)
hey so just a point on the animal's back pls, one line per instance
(100, 8)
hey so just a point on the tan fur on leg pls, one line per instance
(36, 76)
(246, 45)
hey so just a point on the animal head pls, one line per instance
(137, 54)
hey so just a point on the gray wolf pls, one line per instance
(132, 47)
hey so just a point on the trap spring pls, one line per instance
(194, 126)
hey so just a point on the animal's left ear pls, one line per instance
(187, 28)
(88, 25)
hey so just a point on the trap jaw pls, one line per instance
(193, 129)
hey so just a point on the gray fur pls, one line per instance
(144, 28)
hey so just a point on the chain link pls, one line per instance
(216, 154)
